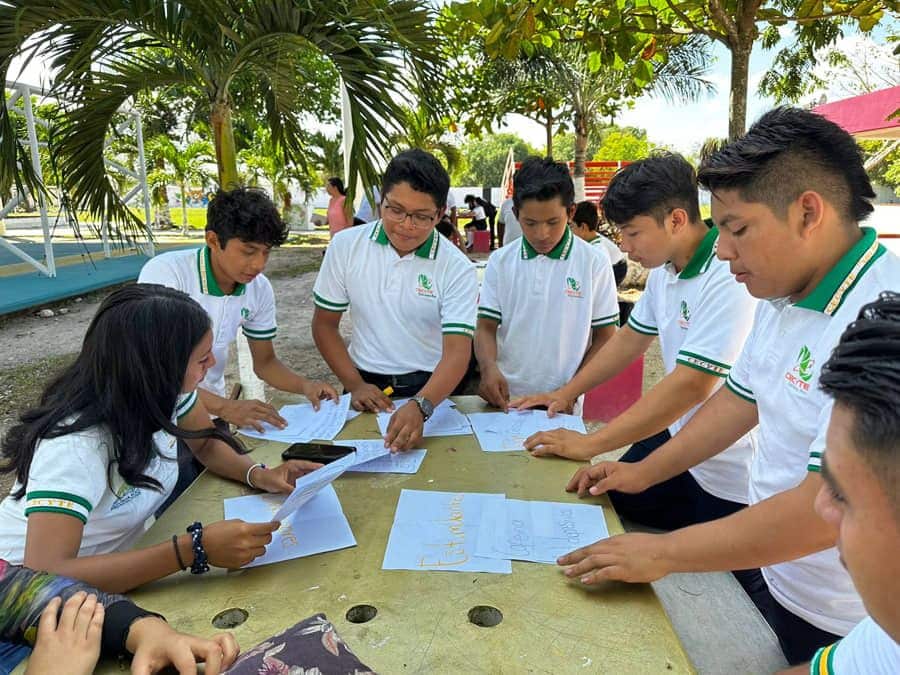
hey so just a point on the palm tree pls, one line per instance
(109, 51)
(261, 160)
(183, 166)
(421, 130)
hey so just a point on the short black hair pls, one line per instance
(247, 214)
(586, 214)
(652, 187)
(863, 376)
(543, 179)
(786, 152)
(422, 171)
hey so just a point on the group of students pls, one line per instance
(727, 452)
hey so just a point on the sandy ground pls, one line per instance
(33, 348)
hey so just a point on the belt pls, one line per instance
(414, 379)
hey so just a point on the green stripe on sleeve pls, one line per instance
(466, 326)
(53, 494)
(739, 390)
(700, 357)
(636, 325)
(54, 509)
(186, 405)
(703, 368)
(330, 305)
(259, 335)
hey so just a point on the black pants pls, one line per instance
(798, 638)
(620, 269)
(675, 503)
(404, 386)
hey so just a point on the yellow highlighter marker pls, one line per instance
(388, 390)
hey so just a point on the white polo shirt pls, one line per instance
(702, 316)
(547, 306)
(401, 306)
(511, 228)
(613, 252)
(249, 307)
(867, 650)
(76, 475)
(779, 372)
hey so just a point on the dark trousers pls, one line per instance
(675, 503)
(798, 638)
(407, 384)
(620, 269)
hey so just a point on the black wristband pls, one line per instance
(201, 562)
(181, 564)
(117, 623)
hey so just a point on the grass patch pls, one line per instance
(22, 386)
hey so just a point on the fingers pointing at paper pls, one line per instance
(634, 557)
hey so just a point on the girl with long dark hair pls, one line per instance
(97, 456)
(337, 214)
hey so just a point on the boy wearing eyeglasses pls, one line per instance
(548, 303)
(412, 296)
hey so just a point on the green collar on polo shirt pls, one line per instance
(828, 296)
(208, 283)
(702, 257)
(560, 252)
(428, 248)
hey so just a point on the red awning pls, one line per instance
(866, 116)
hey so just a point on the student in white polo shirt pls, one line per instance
(701, 316)
(860, 495)
(412, 297)
(547, 304)
(585, 224)
(787, 198)
(96, 457)
(226, 278)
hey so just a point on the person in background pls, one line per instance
(585, 224)
(510, 230)
(478, 220)
(337, 216)
(368, 209)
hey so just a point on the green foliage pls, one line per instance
(422, 129)
(622, 144)
(887, 171)
(485, 158)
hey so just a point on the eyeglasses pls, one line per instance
(394, 214)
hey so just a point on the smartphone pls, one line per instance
(317, 452)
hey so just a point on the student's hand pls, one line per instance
(494, 388)
(317, 391)
(281, 479)
(554, 401)
(73, 639)
(234, 543)
(251, 413)
(369, 398)
(634, 557)
(156, 645)
(599, 478)
(404, 431)
(560, 442)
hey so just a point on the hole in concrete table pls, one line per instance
(230, 618)
(361, 613)
(485, 616)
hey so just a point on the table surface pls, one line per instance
(550, 624)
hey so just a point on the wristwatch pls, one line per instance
(426, 407)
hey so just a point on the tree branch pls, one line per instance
(719, 14)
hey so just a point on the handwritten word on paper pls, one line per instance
(439, 531)
(506, 432)
(373, 457)
(537, 531)
(318, 527)
(305, 424)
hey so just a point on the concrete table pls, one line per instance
(549, 624)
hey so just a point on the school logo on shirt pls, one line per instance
(245, 313)
(425, 288)
(573, 288)
(125, 494)
(802, 373)
(685, 320)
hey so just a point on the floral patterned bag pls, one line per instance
(311, 647)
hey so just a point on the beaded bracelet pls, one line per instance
(201, 562)
(258, 465)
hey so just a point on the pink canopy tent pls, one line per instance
(866, 116)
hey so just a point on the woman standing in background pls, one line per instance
(337, 217)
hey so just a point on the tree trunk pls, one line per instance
(223, 138)
(184, 220)
(740, 74)
(581, 143)
(548, 125)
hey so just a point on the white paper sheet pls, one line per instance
(446, 420)
(505, 432)
(439, 531)
(537, 531)
(307, 486)
(318, 527)
(305, 424)
(373, 457)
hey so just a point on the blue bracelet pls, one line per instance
(201, 562)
